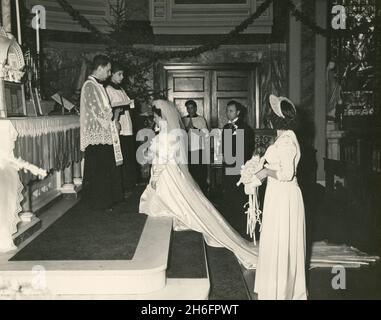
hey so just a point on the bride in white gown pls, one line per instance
(172, 192)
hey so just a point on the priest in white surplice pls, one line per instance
(100, 141)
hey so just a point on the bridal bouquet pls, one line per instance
(248, 171)
(251, 182)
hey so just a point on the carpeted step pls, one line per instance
(85, 234)
(187, 256)
(226, 278)
(187, 260)
(187, 270)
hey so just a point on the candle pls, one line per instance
(6, 14)
(18, 22)
(38, 31)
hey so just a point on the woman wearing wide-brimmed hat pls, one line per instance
(280, 271)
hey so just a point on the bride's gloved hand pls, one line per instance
(157, 169)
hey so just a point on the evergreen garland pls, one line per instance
(305, 20)
(154, 56)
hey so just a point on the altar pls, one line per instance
(50, 143)
(40, 157)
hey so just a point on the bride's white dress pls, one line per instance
(178, 196)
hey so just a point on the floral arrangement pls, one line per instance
(248, 171)
(355, 50)
(251, 182)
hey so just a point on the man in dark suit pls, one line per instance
(238, 137)
(238, 147)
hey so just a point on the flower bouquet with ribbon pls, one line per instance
(251, 183)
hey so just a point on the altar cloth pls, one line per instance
(51, 143)
(10, 188)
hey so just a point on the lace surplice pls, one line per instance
(96, 115)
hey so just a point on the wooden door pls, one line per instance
(212, 87)
(230, 85)
(183, 85)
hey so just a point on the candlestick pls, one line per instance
(18, 22)
(38, 32)
(6, 14)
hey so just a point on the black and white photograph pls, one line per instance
(190, 150)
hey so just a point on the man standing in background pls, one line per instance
(194, 123)
(236, 151)
(122, 105)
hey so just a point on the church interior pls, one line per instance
(54, 246)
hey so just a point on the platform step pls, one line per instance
(187, 256)
(186, 278)
(175, 289)
(226, 278)
(144, 274)
(26, 230)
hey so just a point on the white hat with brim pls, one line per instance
(275, 103)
